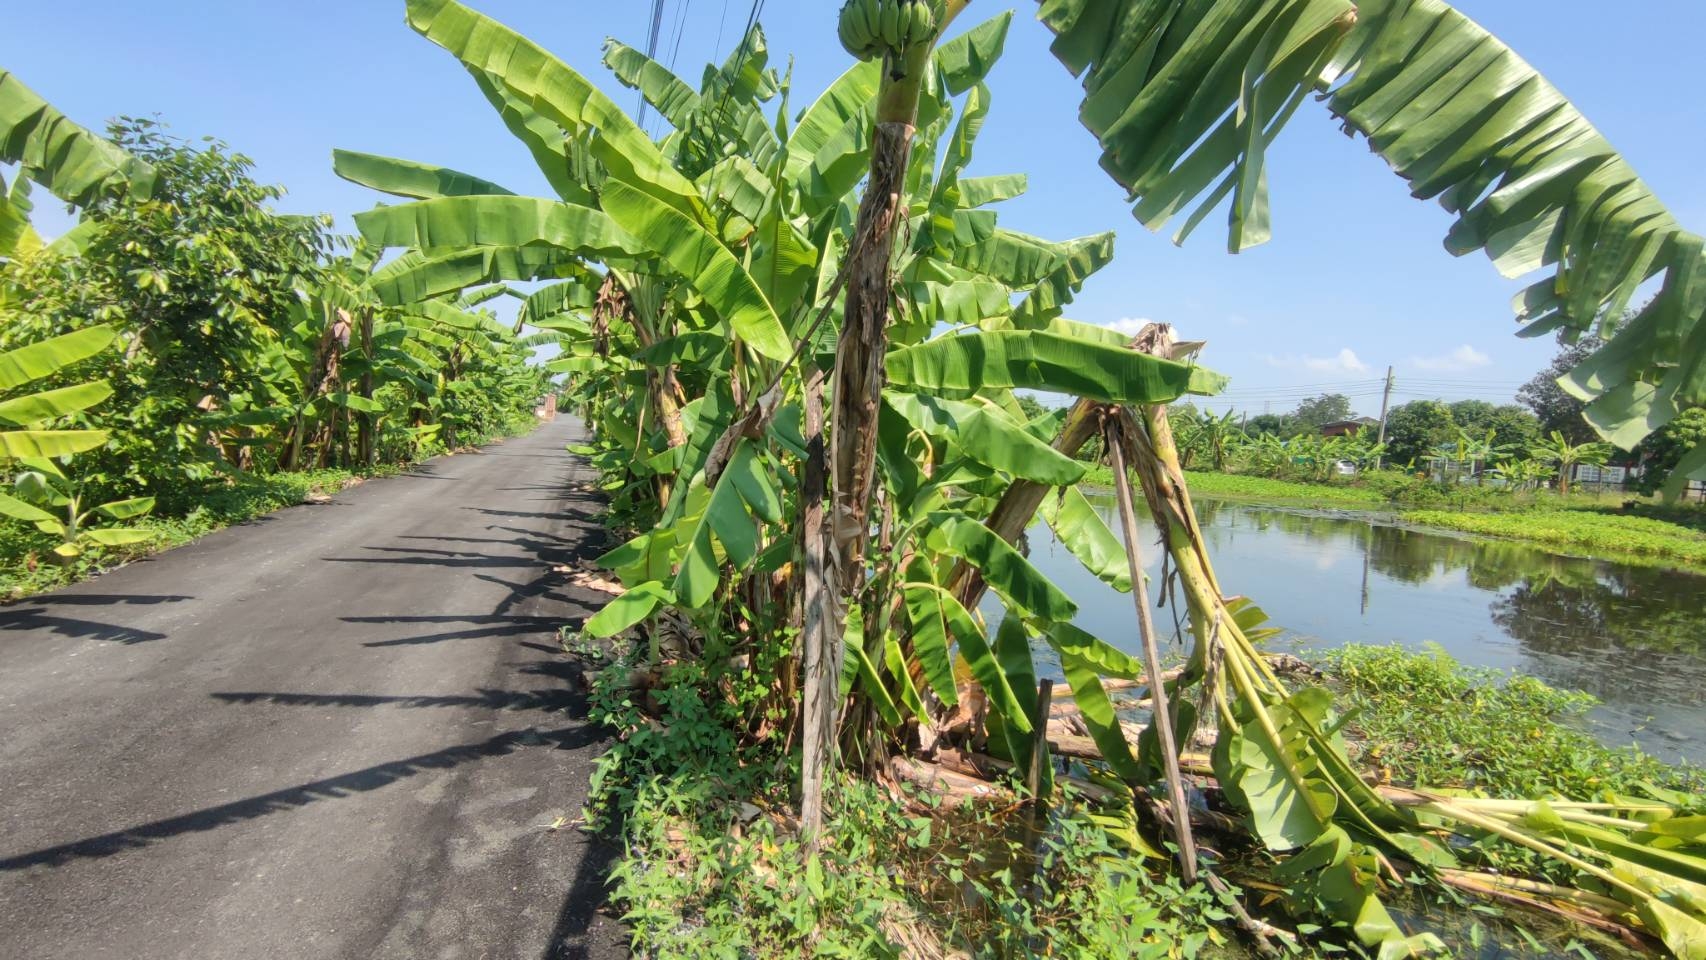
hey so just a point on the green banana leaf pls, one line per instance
(450, 223)
(697, 255)
(37, 360)
(636, 604)
(22, 444)
(1185, 96)
(557, 93)
(987, 436)
(76, 164)
(1022, 585)
(1084, 533)
(674, 100)
(937, 619)
(962, 365)
(417, 276)
(52, 404)
(406, 178)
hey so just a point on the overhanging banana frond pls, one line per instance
(1185, 97)
(77, 164)
(406, 178)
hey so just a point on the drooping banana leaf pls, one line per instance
(1023, 586)
(961, 365)
(37, 360)
(1080, 529)
(1185, 96)
(698, 256)
(76, 164)
(419, 275)
(672, 98)
(987, 436)
(451, 223)
(556, 92)
(406, 178)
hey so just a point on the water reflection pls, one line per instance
(1633, 636)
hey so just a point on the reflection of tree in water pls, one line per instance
(1645, 610)
(1628, 635)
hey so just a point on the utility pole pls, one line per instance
(1385, 400)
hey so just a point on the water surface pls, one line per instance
(1633, 636)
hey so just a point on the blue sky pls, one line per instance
(1354, 280)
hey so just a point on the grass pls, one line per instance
(1422, 719)
(1598, 534)
(713, 867)
(1612, 526)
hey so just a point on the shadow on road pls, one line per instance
(40, 614)
(291, 798)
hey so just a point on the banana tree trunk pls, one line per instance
(822, 663)
(369, 426)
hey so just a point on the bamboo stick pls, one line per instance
(1162, 719)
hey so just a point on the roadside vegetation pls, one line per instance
(800, 333)
(185, 357)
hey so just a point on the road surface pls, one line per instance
(342, 731)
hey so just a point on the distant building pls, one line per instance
(1347, 428)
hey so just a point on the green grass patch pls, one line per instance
(1424, 720)
(1599, 534)
(1237, 486)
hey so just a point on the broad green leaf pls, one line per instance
(76, 164)
(1100, 718)
(965, 60)
(1185, 97)
(127, 509)
(416, 276)
(110, 537)
(450, 223)
(987, 435)
(1106, 659)
(556, 92)
(52, 404)
(673, 99)
(11, 506)
(626, 610)
(38, 360)
(1003, 568)
(979, 191)
(406, 178)
(852, 94)
(22, 444)
(757, 486)
(1083, 532)
(961, 365)
(698, 256)
(853, 639)
(932, 612)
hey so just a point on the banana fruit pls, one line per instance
(871, 28)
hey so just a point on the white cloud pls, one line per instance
(1465, 357)
(1128, 326)
(1345, 361)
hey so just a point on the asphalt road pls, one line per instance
(342, 731)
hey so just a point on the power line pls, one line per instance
(680, 31)
(651, 52)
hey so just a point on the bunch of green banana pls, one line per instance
(869, 28)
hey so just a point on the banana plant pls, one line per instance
(1565, 456)
(53, 503)
(31, 411)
